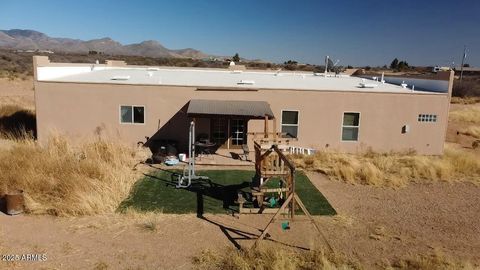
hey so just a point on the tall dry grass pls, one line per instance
(437, 261)
(62, 179)
(270, 257)
(465, 100)
(393, 169)
(276, 257)
(473, 131)
(470, 115)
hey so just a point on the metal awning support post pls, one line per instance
(189, 174)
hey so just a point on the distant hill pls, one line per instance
(19, 39)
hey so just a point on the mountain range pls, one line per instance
(19, 39)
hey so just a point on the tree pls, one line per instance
(290, 62)
(236, 58)
(402, 65)
(394, 64)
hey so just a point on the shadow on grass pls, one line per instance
(18, 124)
(157, 192)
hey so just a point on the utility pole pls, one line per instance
(463, 60)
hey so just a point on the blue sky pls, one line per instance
(367, 32)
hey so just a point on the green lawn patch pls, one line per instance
(157, 192)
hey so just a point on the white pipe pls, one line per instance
(326, 65)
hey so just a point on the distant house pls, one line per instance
(343, 113)
(34, 51)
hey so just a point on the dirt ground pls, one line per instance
(374, 226)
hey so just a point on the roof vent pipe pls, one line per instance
(326, 65)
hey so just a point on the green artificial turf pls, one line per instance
(157, 192)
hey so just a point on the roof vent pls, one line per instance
(246, 82)
(367, 85)
(120, 78)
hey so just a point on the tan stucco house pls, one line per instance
(340, 112)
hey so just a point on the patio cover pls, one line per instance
(241, 108)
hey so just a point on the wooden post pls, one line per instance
(280, 210)
(266, 127)
(292, 190)
(274, 129)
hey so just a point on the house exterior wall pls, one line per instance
(82, 110)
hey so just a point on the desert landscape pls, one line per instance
(424, 216)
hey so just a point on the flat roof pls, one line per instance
(212, 78)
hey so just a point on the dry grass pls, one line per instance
(393, 169)
(437, 261)
(473, 131)
(62, 179)
(147, 221)
(273, 256)
(469, 115)
(465, 100)
(270, 256)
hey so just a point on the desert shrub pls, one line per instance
(268, 257)
(393, 169)
(62, 179)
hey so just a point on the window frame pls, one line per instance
(291, 125)
(343, 126)
(133, 112)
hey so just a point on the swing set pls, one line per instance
(272, 167)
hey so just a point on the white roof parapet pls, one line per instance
(221, 78)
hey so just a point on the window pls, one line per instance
(427, 118)
(290, 123)
(351, 122)
(132, 114)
